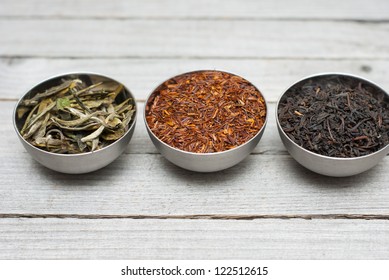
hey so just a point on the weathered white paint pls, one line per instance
(193, 239)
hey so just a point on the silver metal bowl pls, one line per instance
(83, 162)
(204, 162)
(325, 165)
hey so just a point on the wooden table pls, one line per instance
(142, 206)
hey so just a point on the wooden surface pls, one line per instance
(142, 206)
(194, 239)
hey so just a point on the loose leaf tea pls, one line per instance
(336, 117)
(206, 111)
(76, 117)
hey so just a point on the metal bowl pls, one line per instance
(204, 162)
(326, 165)
(83, 162)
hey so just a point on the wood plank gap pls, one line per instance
(12, 99)
(192, 57)
(9, 59)
(199, 217)
(192, 18)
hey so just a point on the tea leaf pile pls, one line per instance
(74, 118)
(336, 118)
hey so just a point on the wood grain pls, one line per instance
(192, 38)
(193, 239)
(199, 9)
(141, 76)
(149, 185)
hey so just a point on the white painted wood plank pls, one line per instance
(141, 76)
(231, 9)
(193, 38)
(193, 239)
(149, 185)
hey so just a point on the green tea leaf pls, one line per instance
(62, 103)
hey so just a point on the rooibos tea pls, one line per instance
(206, 111)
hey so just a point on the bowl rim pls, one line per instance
(317, 75)
(130, 128)
(260, 131)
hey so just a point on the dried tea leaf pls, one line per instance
(112, 136)
(71, 117)
(45, 109)
(62, 103)
(62, 88)
(335, 116)
(21, 111)
(93, 135)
